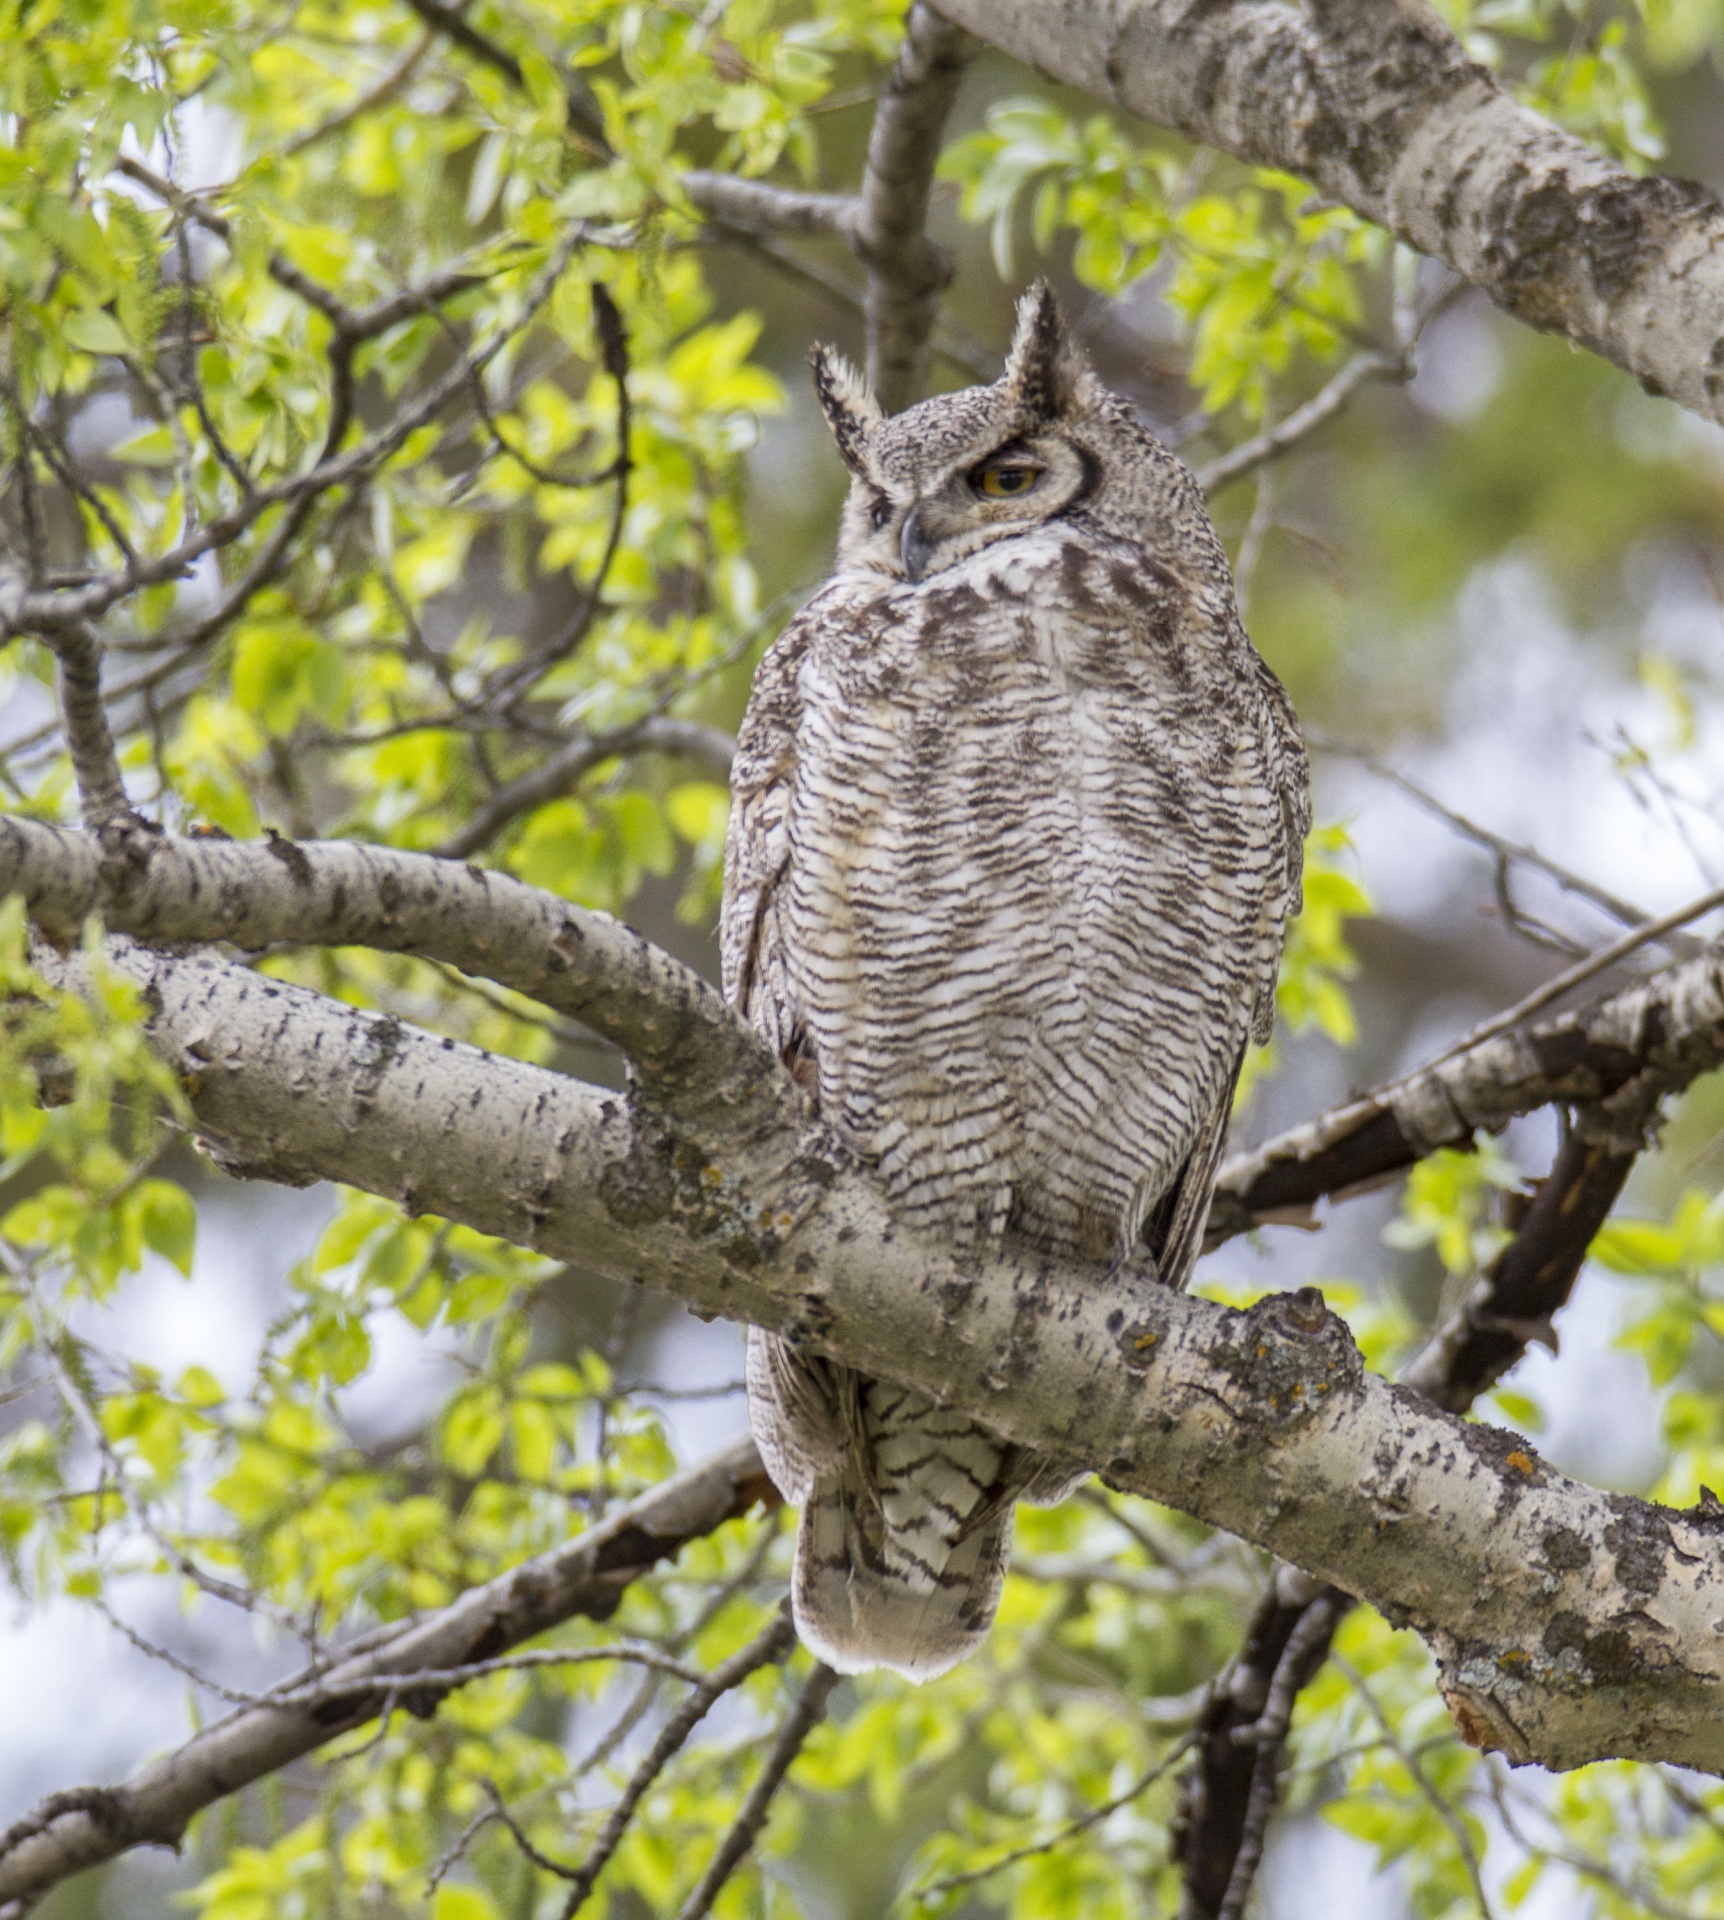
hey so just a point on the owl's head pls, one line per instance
(958, 472)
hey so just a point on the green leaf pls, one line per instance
(463, 1903)
(167, 1220)
(95, 331)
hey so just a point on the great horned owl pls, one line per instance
(1016, 831)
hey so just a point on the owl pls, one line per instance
(1016, 830)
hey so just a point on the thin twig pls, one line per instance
(511, 684)
(451, 1855)
(733, 1850)
(1094, 1817)
(565, 767)
(1438, 1805)
(1588, 969)
(1505, 852)
(48, 1341)
(373, 96)
(440, 1679)
(771, 1645)
(545, 1864)
(55, 611)
(1303, 421)
(233, 1695)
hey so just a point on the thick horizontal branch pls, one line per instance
(1615, 1059)
(583, 1580)
(684, 1041)
(1376, 103)
(1570, 1623)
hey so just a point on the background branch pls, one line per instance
(1376, 104)
(564, 768)
(585, 1579)
(1228, 1794)
(1613, 1060)
(906, 272)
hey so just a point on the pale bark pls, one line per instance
(906, 272)
(1570, 1623)
(1376, 104)
(685, 1043)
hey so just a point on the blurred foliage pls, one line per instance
(1259, 273)
(381, 657)
(1316, 959)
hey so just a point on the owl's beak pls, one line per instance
(914, 546)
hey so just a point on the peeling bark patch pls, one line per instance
(637, 1191)
(1565, 1551)
(381, 1040)
(291, 855)
(1640, 1538)
(1608, 1655)
(1482, 1722)
(1541, 232)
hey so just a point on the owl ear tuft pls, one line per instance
(850, 409)
(1046, 372)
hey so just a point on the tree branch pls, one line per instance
(1251, 454)
(798, 1724)
(53, 610)
(1569, 1623)
(564, 768)
(758, 207)
(583, 1580)
(1614, 1060)
(906, 272)
(685, 1043)
(1505, 853)
(775, 1643)
(1228, 1795)
(1376, 103)
(89, 740)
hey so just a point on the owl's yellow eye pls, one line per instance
(1002, 481)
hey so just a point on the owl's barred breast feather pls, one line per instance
(1012, 852)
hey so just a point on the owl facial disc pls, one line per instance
(958, 472)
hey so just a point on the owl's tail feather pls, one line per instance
(867, 1594)
(906, 1510)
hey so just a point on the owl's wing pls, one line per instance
(1175, 1228)
(1289, 776)
(1174, 1231)
(757, 848)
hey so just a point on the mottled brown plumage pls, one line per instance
(1017, 823)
